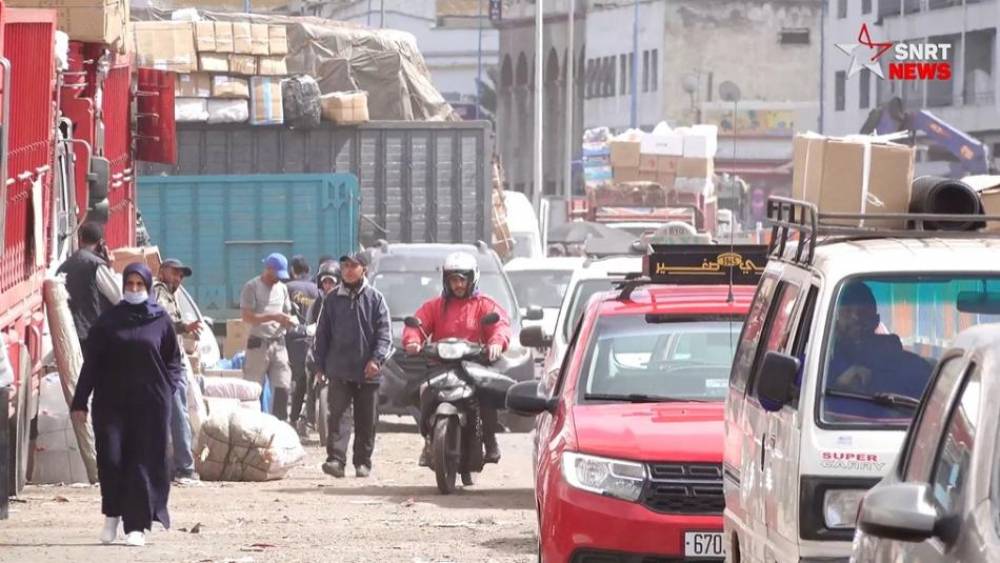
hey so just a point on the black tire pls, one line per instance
(445, 446)
(322, 414)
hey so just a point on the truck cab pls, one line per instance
(837, 348)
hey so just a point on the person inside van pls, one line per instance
(870, 375)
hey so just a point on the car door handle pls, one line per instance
(763, 449)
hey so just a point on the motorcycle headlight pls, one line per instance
(452, 350)
(840, 508)
(604, 476)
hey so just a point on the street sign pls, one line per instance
(496, 10)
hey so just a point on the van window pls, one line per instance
(747, 350)
(886, 333)
(951, 472)
(779, 327)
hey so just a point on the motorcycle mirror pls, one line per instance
(412, 322)
(491, 319)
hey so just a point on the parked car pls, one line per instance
(941, 501)
(628, 448)
(409, 275)
(541, 283)
(835, 355)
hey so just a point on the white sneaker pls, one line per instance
(135, 539)
(110, 531)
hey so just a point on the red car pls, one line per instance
(629, 437)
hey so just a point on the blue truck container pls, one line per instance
(224, 226)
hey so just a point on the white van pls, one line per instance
(838, 346)
(522, 221)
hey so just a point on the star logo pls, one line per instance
(871, 63)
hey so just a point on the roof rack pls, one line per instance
(793, 219)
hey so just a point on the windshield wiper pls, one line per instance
(639, 398)
(881, 399)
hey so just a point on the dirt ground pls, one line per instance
(395, 515)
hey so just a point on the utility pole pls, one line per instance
(382, 10)
(634, 113)
(570, 105)
(479, 62)
(539, 88)
(247, 7)
(369, 16)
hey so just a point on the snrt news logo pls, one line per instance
(907, 61)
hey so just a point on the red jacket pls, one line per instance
(459, 318)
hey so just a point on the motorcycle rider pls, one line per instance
(457, 314)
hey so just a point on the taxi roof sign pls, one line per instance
(705, 264)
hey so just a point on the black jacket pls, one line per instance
(86, 302)
(353, 328)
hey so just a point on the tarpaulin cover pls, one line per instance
(300, 95)
(244, 445)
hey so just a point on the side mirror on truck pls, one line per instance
(775, 380)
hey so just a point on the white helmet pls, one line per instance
(464, 264)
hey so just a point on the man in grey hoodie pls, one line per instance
(353, 340)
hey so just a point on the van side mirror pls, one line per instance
(525, 398)
(534, 313)
(535, 337)
(900, 511)
(775, 380)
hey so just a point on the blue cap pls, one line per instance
(279, 264)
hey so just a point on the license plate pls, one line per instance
(703, 544)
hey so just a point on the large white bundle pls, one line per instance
(57, 456)
(232, 388)
(245, 445)
(197, 412)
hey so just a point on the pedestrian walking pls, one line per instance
(353, 340)
(132, 367)
(92, 286)
(303, 292)
(266, 306)
(171, 275)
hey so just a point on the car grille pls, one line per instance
(685, 488)
(592, 556)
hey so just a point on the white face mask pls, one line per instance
(136, 297)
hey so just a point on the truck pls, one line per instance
(67, 151)
(642, 207)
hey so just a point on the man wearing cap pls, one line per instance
(304, 293)
(266, 307)
(171, 275)
(353, 340)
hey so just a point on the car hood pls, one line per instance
(690, 432)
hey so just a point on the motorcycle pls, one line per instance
(456, 385)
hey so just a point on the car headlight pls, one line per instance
(840, 508)
(611, 477)
(452, 350)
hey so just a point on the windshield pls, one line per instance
(578, 302)
(544, 288)
(886, 335)
(405, 292)
(684, 360)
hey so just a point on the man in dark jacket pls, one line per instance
(303, 293)
(353, 340)
(92, 286)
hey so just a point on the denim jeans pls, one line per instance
(180, 432)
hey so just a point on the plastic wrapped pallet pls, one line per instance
(228, 111)
(230, 87)
(345, 108)
(56, 451)
(195, 85)
(244, 445)
(232, 388)
(190, 110)
(265, 101)
(300, 97)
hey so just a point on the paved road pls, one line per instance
(396, 515)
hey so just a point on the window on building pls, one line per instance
(623, 75)
(632, 74)
(645, 71)
(911, 6)
(865, 89)
(841, 9)
(794, 36)
(889, 7)
(866, 6)
(840, 90)
(589, 89)
(654, 63)
(609, 63)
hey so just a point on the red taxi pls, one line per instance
(629, 437)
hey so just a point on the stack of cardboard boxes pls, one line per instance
(682, 159)
(89, 21)
(228, 72)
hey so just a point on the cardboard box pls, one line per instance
(204, 37)
(695, 167)
(213, 62)
(667, 164)
(829, 172)
(669, 145)
(647, 163)
(190, 110)
(230, 87)
(626, 174)
(277, 39)
(91, 21)
(666, 179)
(166, 45)
(624, 154)
(646, 176)
(121, 257)
(989, 193)
(260, 39)
(195, 85)
(266, 107)
(272, 66)
(237, 332)
(701, 142)
(243, 64)
(228, 111)
(349, 108)
(242, 38)
(224, 37)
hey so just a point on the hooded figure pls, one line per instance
(132, 368)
